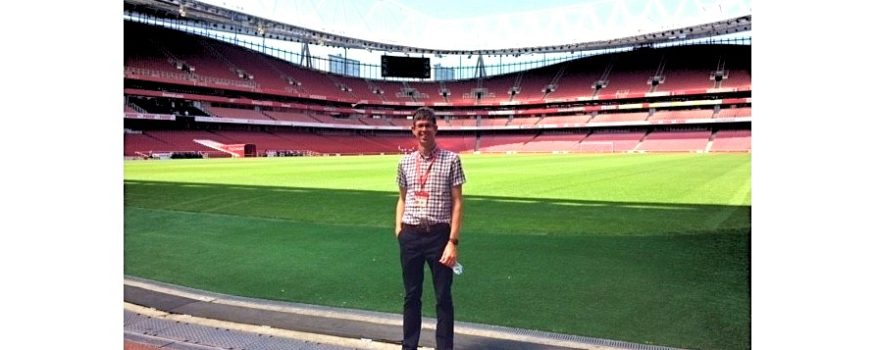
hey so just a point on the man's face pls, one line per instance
(424, 131)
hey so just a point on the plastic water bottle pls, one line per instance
(457, 268)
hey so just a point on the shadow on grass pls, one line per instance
(497, 215)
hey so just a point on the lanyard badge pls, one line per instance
(421, 197)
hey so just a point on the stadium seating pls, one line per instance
(135, 143)
(327, 119)
(503, 142)
(393, 91)
(457, 143)
(579, 79)
(426, 92)
(240, 113)
(689, 68)
(350, 142)
(214, 70)
(161, 51)
(291, 116)
(466, 122)
(524, 121)
(374, 121)
(460, 92)
(675, 141)
(735, 112)
(497, 121)
(566, 142)
(572, 120)
(620, 117)
(534, 82)
(359, 89)
(612, 140)
(683, 115)
(498, 87)
(732, 141)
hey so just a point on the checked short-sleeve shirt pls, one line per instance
(446, 172)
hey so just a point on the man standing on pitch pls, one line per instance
(428, 218)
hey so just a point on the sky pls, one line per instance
(490, 24)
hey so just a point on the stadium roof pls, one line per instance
(458, 27)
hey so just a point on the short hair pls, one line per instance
(422, 113)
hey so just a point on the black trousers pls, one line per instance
(417, 248)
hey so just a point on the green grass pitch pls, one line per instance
(644, 248)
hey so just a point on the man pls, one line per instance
(428, 217)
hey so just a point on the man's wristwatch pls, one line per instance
(455, 241)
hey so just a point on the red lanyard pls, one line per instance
(424, 177)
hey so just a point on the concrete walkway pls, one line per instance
(164, 316)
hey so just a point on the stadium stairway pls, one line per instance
(160, 315)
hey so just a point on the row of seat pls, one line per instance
(347, 142)
(572, 120)
(691, 68)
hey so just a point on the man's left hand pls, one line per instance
(449, 256)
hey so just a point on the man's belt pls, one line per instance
(424, 228)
